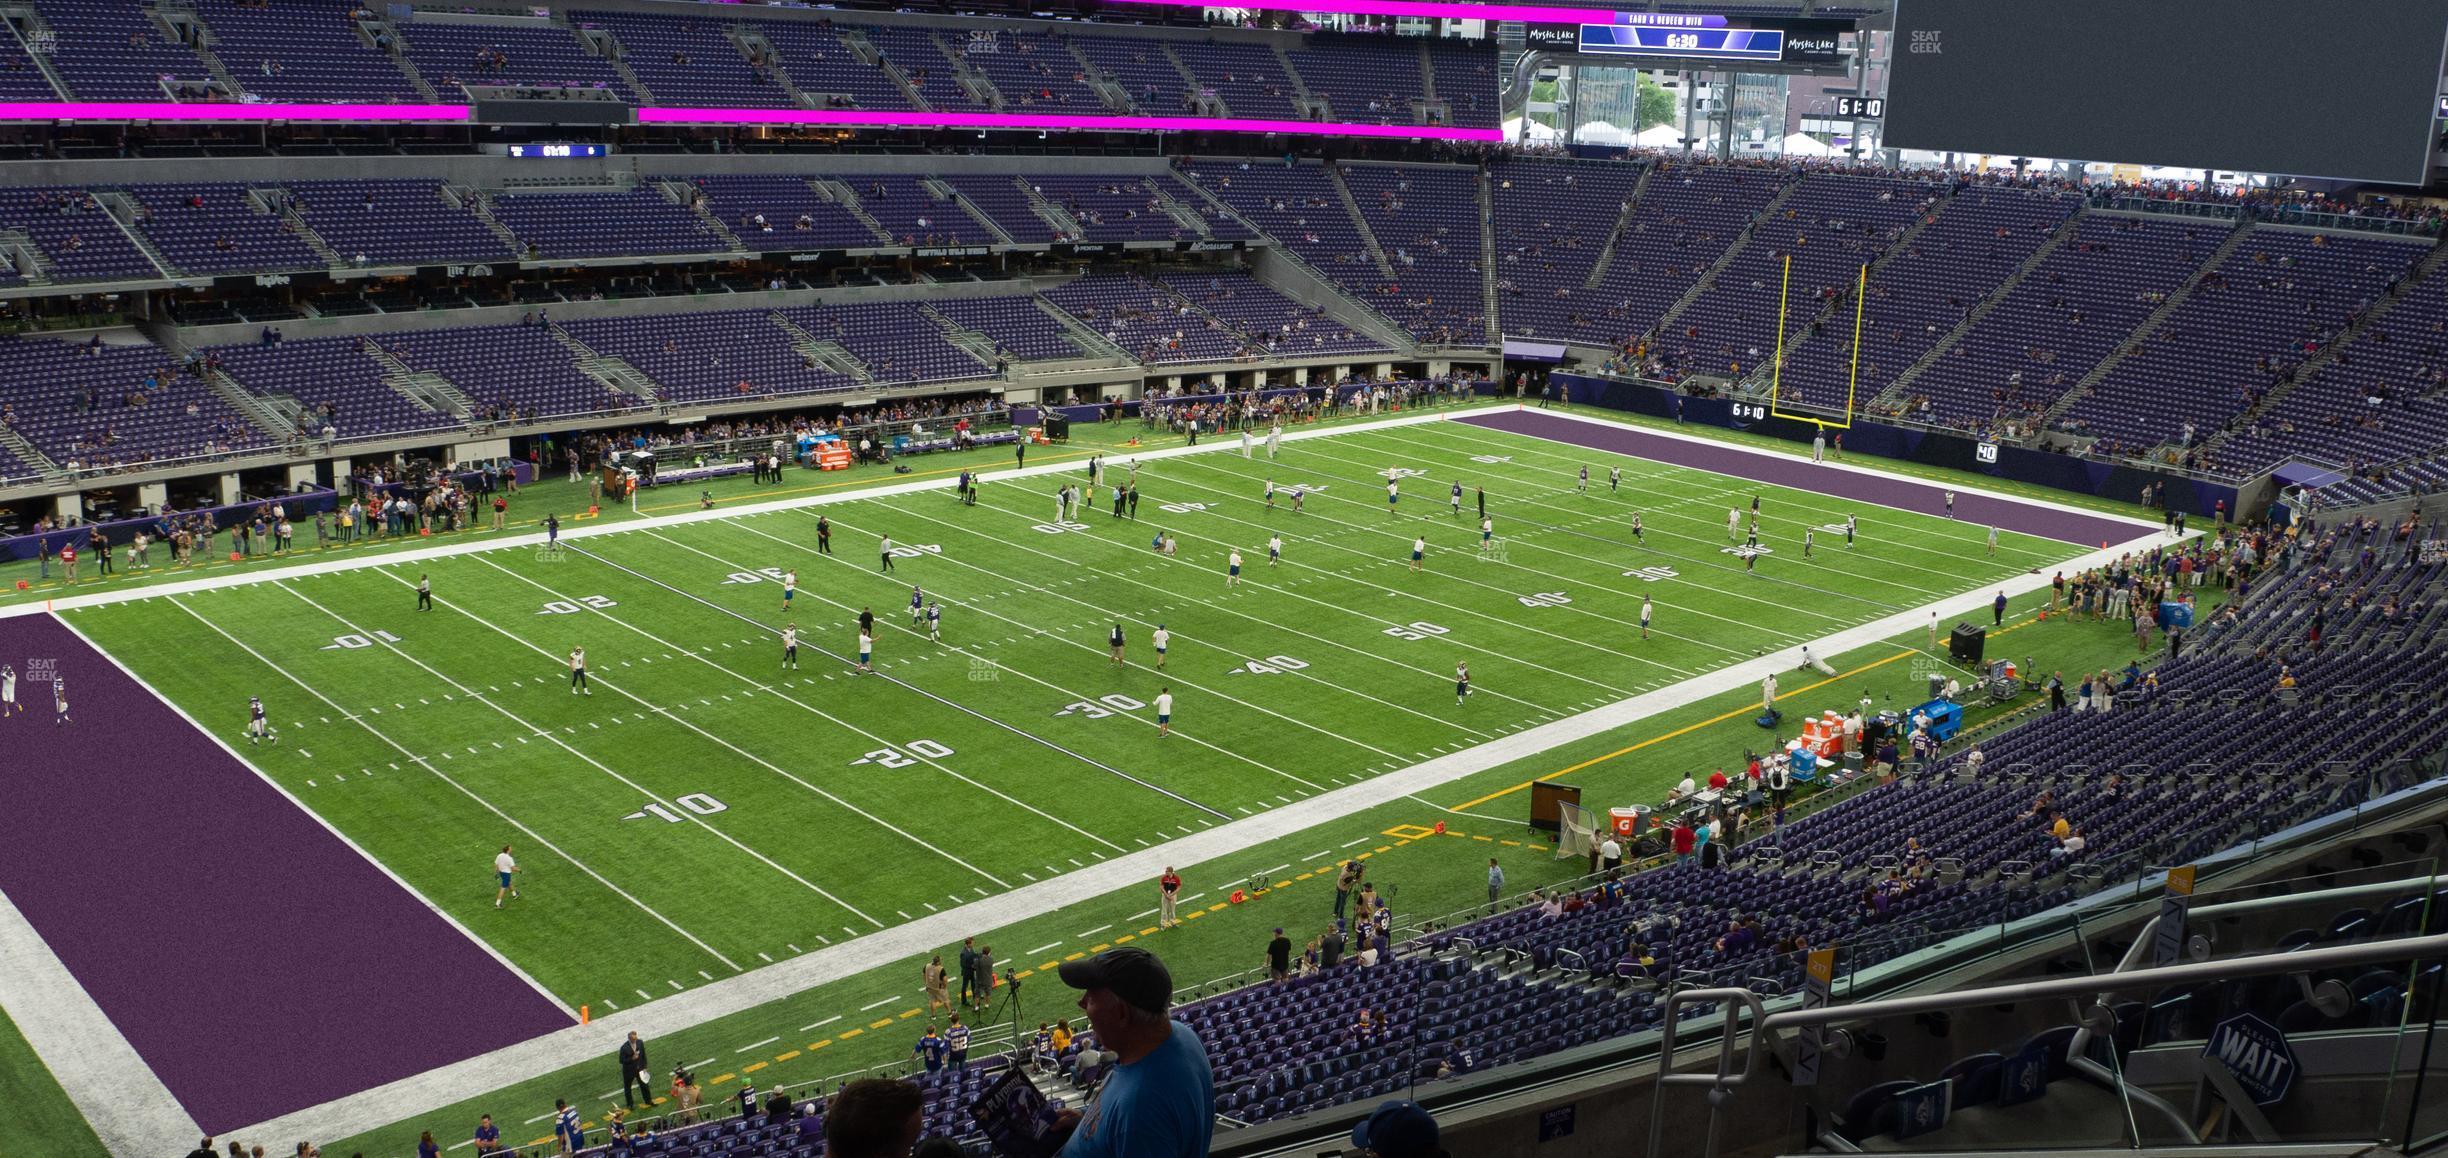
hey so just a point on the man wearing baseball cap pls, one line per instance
(1398, 1130)
(1159, 1100)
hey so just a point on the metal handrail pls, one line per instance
(1726, 1078)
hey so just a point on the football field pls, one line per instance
(704, 809)
(1014, 748)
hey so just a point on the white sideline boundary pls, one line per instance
(129, 1108)
(142, 1116)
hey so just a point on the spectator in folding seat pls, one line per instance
(874, 1118)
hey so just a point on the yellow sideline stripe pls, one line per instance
(1687, 729)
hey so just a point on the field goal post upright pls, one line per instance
(1776, 375)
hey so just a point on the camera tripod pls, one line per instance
(1010, 1002)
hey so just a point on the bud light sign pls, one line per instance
(2257, 1054)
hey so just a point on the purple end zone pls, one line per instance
(258, 963)
(1904, 494)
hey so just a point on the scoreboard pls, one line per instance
(1692, 36)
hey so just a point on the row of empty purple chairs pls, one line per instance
(1553, 221)
(1689, 216)
(504, 51)
(945, 1097)
(1146, 320)
(335, 377)
(1975, 240)
(303, 50)
(1801, 253)
(2377, 400)
(2069, 312)
(99, 405)
(2277, 299)
(1265, 319)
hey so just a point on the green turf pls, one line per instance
(433, 738)
(823, 1034)
(42, 1122)
(463, 734)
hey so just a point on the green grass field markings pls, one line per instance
(1539, 578)
(441, 840)
(845, 725)
(1080, 697)
(1401, 559)
(1812, 501)
(654, 708)
(42, 1119)
(1196, 608)
(446, 778)
(890, 679)
(1615, 568)
(1371, 564)
(1029, 631)
(1182, 640)
(1863, 566)
(1442, 725)
(1871, 567)
(1704, 561)
(1075, 644)
(689, 815)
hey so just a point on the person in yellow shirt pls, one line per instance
(2058, 827)
(1062, 1037)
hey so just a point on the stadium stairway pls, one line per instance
(1901, 387)
(2423, 272)
(1623, 221)
(1725, 259)
(2133, 341)
(1836, 311)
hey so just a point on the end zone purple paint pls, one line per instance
(2068, 526)
(256, 962)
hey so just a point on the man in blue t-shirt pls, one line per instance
(1159, 1100)
(488, 1135)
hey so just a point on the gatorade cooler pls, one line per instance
(1629, 822)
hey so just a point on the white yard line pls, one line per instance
(1497, 437)
(845, 725)
(427, 765)
(547, 736)
(1144, 621)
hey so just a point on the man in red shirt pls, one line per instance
(1168, 889)
(68, 560)
(1685, 838)
(1717, 780)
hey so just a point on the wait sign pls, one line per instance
(2257, 1054)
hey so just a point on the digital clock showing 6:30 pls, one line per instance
(1650, 40)
(555, 150)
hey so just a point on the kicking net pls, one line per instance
(1575, 835)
